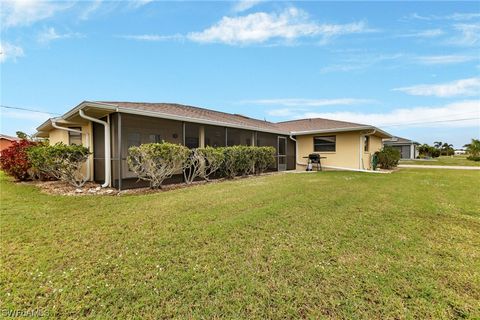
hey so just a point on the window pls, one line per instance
(239, 137)
(366, 143)
(192, 135)
(214, 136)
(154, 138)
(75, 137)
(133, 139)
(324, 144)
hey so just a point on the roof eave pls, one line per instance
(156, 114)
(357, 128)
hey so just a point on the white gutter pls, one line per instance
(296, 151)
(358, 128)
(87, 143)
(108, 157)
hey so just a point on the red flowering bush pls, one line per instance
(14, 160)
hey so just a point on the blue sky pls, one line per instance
(411, 68)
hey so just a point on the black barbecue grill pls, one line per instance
(314, 159)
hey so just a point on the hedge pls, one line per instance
(156, 162)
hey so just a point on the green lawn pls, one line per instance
(445, 161)
(322, 245)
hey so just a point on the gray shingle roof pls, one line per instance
(316, 124)
(199, 113)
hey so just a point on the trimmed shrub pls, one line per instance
(238, 160)
(155, 162)
(15, 162)
(388, 157)
(202, 162)
(229, 166)
(61, 161)
(264, 158)
(214, 158)
(473, 158)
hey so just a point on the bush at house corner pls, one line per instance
(14, 160)
(388, 157)
(60, 161)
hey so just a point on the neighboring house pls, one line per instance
(108, 129)
(459, 152)
(408, 148)
(6, 141)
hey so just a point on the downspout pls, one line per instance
(108, 157)
(87, 143)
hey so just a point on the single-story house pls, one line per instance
(460, 152)
(108, 129)
(6, 141)
(408, 148)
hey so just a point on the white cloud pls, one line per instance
(9, 51)
(50, 34)
(454, 16)
(89, 10)
(25, 12)
(152, 37)
(260, 27)
(292, 107)
(469, 34)
(444, 59)
(244, 5)
(430, 33)
(291, 102)
(462, 87)
(139, 3)
(361, 61)
(454, 113)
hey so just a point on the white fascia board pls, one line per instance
(155, 114)
(358, 128)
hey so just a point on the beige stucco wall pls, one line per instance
(58, 135)
(375, 145)
(347, 153)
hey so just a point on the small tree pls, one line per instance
(63, 162)
(473, 149)
(194, 166)
(388, 157)
(14, 160)
(22, 135)
(155, 162)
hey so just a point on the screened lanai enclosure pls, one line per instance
(132, 130)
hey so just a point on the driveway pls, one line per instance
(437, 167)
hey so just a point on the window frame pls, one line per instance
(320, 137)
(366, 143)
(75, 135)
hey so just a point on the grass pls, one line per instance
(321, 245)
(445, 161)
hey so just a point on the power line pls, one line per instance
(427, 122)
(27, 109)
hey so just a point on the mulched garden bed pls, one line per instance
(93, 189)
